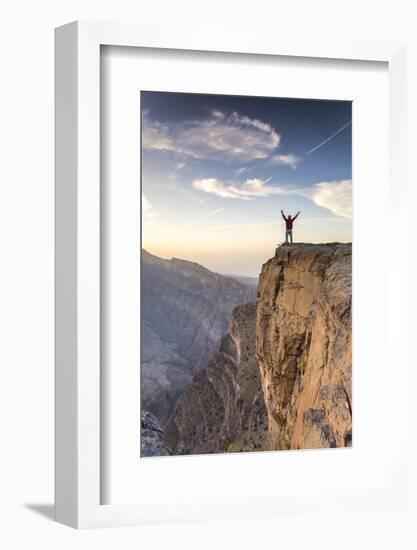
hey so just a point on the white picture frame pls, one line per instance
(77, 242)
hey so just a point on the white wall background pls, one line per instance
(26, 269)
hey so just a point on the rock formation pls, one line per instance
(223, 409)
(282, 376)
(303, 344)
(185, 311)
(152, 437)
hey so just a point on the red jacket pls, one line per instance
(288, 221)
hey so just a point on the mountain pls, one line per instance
(282, 376)
(223, 409)
(248, 281)
(185, 311)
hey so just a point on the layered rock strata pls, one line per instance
(223, 409)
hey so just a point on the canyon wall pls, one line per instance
(223, 409)
(304, 345)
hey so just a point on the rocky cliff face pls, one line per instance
(303, 344)
(223, 409)
(152, 439)
(185, 311)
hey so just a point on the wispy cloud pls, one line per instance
(329, 138)
(250, 189)
(336, 196)
(220, 136)
(215, 212)
(148, 209)
(286, 160)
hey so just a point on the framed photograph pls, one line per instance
(222, 247)
(241, 352)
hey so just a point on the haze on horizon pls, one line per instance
(217, 170)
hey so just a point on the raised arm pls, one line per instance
(296, 216)
(282, 213)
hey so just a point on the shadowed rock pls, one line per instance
(152, 437)
(223, 409)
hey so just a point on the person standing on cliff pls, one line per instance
(288, 225)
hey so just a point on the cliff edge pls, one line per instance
(304, 345)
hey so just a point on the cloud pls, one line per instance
(146, 205)
(221, 136)
(329, 138)
(336, 196)
(251, 189)
(147, 209)
(286, 160)
(215, 212)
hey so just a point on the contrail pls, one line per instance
(329, 138)
(215, 212)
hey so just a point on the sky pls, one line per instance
(217, 170)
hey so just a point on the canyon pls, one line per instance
(185, 311)
(281, 377)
